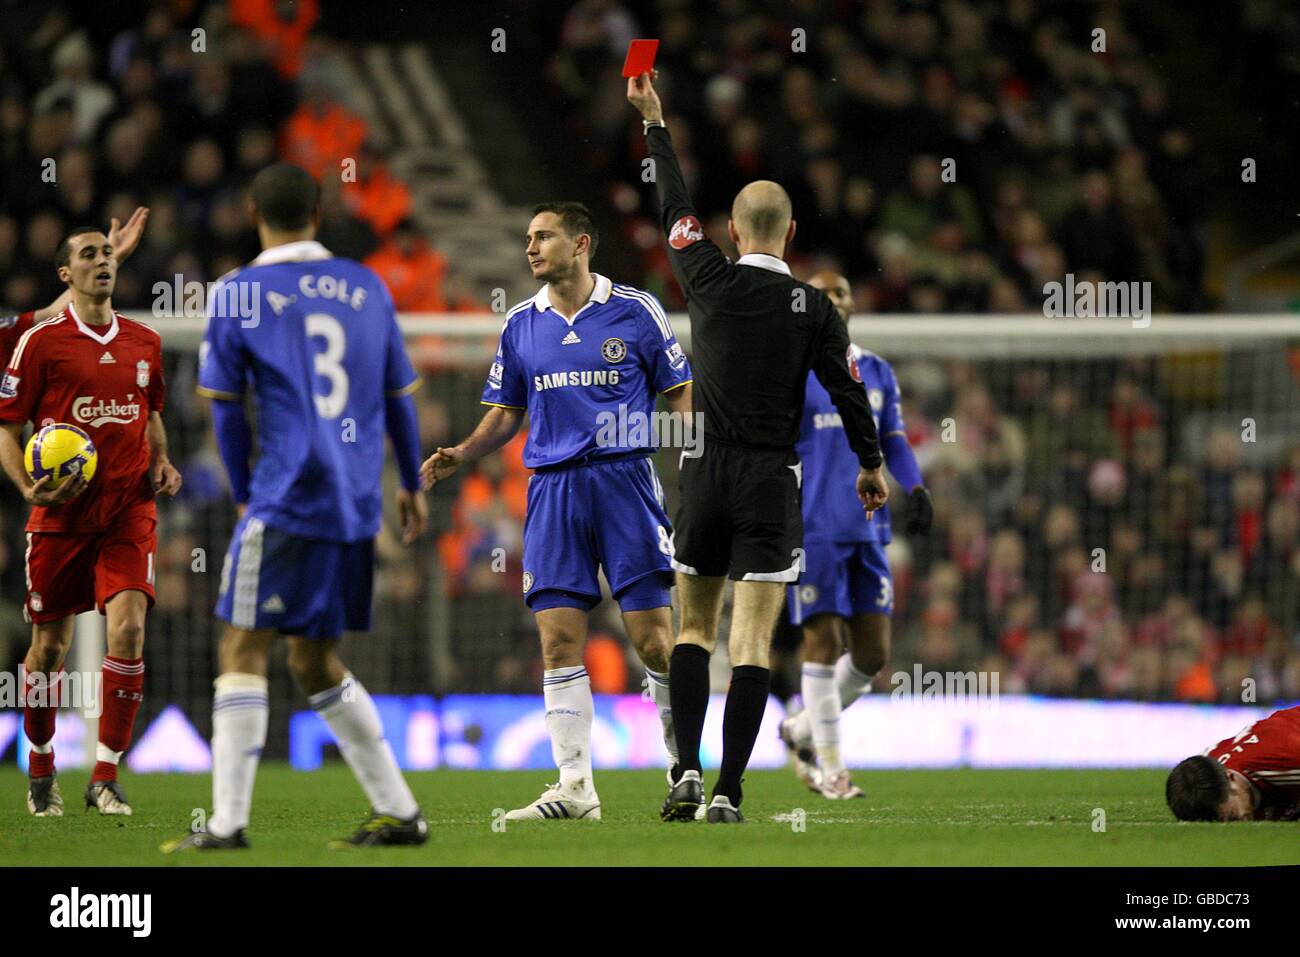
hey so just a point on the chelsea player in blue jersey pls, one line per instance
(315, 340)
(845, 595)
(580, 356)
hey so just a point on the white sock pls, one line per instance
(659, 692)
(822, 705)
(851, 684)
(239, 714)
(567, 692)
(351, 714)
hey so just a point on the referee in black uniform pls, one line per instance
(755, 333)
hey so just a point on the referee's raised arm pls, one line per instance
(698, 263)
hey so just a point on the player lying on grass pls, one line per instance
(89, 545)
(581, 351)
(1254, 776)
(315, 339)
(844, 595)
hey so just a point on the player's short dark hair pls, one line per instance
(286, 196)
(63, 255)
(576, 219)
(1196, 788)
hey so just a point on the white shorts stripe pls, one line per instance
(791, 574)
(243, 613)
(654, 481)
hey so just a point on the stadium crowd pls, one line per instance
(946, 158)
(1063, 161)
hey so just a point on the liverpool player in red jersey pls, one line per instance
(123, 239)
(1254, 776)
(88, 544)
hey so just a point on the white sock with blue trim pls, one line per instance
(851, 684)
(569, 706)
(351, 714)
(658, 681)
(239, 717)
(822, 705)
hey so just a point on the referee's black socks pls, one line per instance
(688, 692)
(746, 703)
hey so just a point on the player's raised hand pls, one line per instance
(872, 489)
(124, 239)
(438, 466)
(641, 94)
(165, 477)
(413, 511)
(40, 493)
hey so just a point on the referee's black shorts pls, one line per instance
(740, 514)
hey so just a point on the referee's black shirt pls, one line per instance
(755, 333)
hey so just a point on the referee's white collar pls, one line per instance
(601, 294)
(764, 261)
(303, 250)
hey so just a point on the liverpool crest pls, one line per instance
(142, 373)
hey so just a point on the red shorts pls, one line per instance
(72, 572)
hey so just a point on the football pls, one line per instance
(60, 451)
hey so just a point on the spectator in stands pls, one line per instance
(412, 269)
(322, 133)
(281, 26)
(375, 195)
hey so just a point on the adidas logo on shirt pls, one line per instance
(570, 339)
(273, 605)
(106, 358)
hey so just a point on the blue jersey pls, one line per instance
(832, 511)
(588, 383)
(316, 340)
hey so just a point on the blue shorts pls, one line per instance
(606, 515)
(296, 586)
(842, 578)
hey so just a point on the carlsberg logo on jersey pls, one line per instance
(87, 410)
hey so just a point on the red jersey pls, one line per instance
(1268, 755)
(105, 380)
(12, 329)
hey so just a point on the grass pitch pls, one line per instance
(961, 817)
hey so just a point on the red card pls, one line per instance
(640, 57)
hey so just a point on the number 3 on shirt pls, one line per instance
(329, 364)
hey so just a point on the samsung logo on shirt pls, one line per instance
(557, 380)
(827, 420)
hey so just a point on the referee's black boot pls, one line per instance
(684, 799)
(721, 811)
